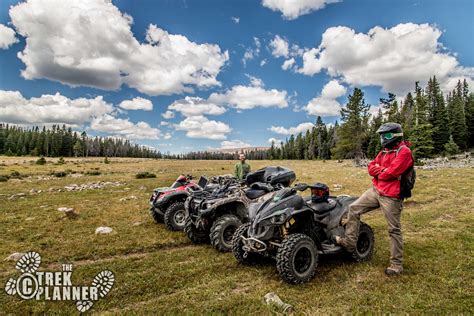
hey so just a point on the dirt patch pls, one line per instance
(410, 204)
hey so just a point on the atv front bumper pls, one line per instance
(251, 244)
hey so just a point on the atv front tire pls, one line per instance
(175, 216)
(196, 235)
(222, 232)
(365, 244)
(157, 216)
(297, 259)
(239, 253)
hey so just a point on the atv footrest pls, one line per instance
(330, 249)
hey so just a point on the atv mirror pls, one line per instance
(301, 186)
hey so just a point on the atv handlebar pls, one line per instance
(301, 186)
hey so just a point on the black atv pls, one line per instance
(295, 231)
(167, 204)
(214, 217)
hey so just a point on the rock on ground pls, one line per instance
(15, 256)
(103, 230)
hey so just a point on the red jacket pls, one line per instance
(387, 168)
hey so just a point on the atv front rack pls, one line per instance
(250, 245)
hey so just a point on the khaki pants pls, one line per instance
(392, 209)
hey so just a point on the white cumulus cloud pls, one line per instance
(292, 9)
(90, 43)
(301, 128)
(249, 97)
(124, 128)
(7, 37)
(326, 103)
(252, 52)
(196, 106)
(137, 104)
(287, 64)
(202, 127)
(230, 144)
(274, 140)
(50, 109)
(279, 46)
(391, 58)
(58, 109)
(168, 115)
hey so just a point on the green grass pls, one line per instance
(162, 272)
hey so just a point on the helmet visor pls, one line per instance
(389, 135)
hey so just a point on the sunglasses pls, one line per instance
(388, 136)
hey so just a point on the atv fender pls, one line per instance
(171, 197)
(340, 211)
(238, 203)
(308, 213)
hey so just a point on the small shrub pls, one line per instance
(93, 173)
(41, 161)
(145, 175)
(15, 175)
(451, 148)
(3, 178)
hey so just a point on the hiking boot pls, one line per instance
(344, 243)
(394, 270)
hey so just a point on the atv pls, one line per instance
(296, 230)
(167, 203)
(214, 217)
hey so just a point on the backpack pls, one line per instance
(407, 179)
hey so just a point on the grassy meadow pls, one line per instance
(162, 272)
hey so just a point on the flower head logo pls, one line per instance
(29, 263)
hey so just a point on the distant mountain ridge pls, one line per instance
(237, 149)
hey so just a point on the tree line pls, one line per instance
(63, 142)
(434, 123)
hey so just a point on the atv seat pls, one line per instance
(323, 207)
(254, 194)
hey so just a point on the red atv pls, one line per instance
(167, 203)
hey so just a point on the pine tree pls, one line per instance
(450, 147)
(2, 139)
(438, 115)
(422, 142)
(374, 143)
(457, 117)
(353, 131)
(469, 109)
(407, 115)
(421, 113)
(391, 108)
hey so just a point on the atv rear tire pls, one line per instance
(222, 232)
(196, 235)
(157, 217)
(237, 244)
(365, 244)
(297, 259)
(175, 216)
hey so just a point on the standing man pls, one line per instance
(241, 168)
(386, 169)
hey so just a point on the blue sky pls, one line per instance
(221, 81)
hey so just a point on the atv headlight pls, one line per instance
(279, 217)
